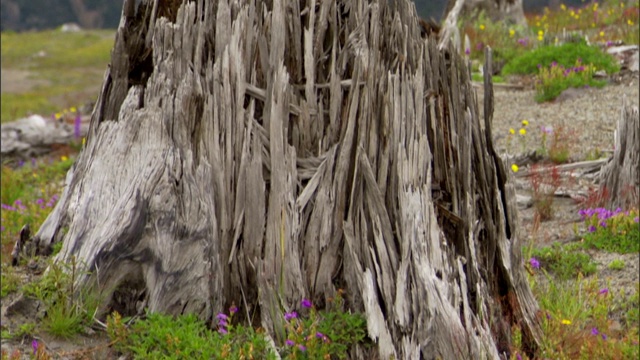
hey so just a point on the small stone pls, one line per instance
(524, 201)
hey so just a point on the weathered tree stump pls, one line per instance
(259, 152)
(620, 177)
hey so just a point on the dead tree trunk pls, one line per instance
(264, 151)
(620, 177)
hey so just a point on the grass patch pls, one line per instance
(564, 261)
(68, 310)
(612, 230)
(28, 195)
(565, 55)
(576, 322)
(10, 280)
(65, 65)
(318, 335)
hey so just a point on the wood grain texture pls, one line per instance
(270, 151)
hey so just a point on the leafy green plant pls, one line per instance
(553, 80)
(566, 55)
(186, 337)
(564, 261)
(576, 322)
(562, 141)
(612, 230)
(544, 180)
(25, 330)
(68, 309)
(320, 335)
(29, 192)
(616, 264)
(323, 334)
(10, 280)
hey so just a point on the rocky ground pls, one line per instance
(588, 117)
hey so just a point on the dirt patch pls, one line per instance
(19, 81)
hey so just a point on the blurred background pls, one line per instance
(24, 15)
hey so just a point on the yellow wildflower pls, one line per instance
(514, 168)
(58, 116)
(84, 141)
(481, 26)
(523, 131)
(566, 322)
(512, 131)
(73, 109)
(630, 22)
(64, 158)
(601, 33)
(563, 7)
(512, 32)
(525, 123)
(572, 13)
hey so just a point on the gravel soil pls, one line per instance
(588, 117)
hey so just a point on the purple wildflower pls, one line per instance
(19, 204)
(290, 315)
(594, 331)
(8, 207)
(480, 46)
(306, 303)
(604, 337)
(76, 126)
(546, 129)
(603, 224)
(1, 227)
(20, 163)
(289, 342)
(637, 219)
(534, 263)
(223, 331)
(233, 309)
(548, 316)
(523, 41)
(554, 63)
(603, 291)
(592, 229)
(34, 345)
(33, 162)
(467, 51)
(609, 43)
(319, 335)
(518, 356)
(302, 348)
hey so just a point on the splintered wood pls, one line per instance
(261, 152)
